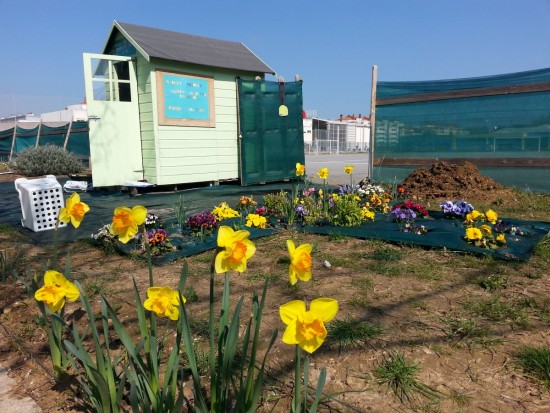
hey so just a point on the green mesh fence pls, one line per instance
(53, 135)
(270, 144)
(25, 138)
(495, 117)
(79, 140)
(6, 138)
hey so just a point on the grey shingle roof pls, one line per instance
(181, 47)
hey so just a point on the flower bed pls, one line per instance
(362, 211)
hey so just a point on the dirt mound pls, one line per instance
(445, 180)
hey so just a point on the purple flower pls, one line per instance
(403, 214)
(300, 210)
(456, 208)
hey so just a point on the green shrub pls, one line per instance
(46, 160)
(346, 212)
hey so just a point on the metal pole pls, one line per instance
(372, 119)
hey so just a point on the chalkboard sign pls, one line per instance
(185, 100)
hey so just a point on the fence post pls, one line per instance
(372, 118)
(67, 135)
(13, 140)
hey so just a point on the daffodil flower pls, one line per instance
(126, 222)
(74, 210)
(349, 169)
(236, 249)
(56, 290)
(300, 262)
(306, 328)
(300, 169)
(164, 302)
(323, 173)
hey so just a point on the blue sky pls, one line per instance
(332, 45)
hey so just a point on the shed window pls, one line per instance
(111, 80)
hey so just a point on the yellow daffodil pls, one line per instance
(349, 169)
(320, 193)
(473, 234)
(491, 216)
(306, 328)
(236, 250)
(323, 173)
(55, 290)
(300, 169)
(126, 222)
(300, 262)
(256, 220)
(500, 238)
(164, 302)
(74, 210)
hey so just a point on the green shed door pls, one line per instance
(113, 113)
(270, 145)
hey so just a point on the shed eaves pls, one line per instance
(186, 48)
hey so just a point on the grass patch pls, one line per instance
(95, 287)
(359, 301)
(191, 295)
(496, 310)
(535, 362)
(337, 237)
(10, 260)
(387, 269)
(351, 260)
(425, 270)
(262, 276)
(466, 331)
(400, 377)
(347, 333)
(460, 399)
(542, 248)
(364, 283)
(386, 255)
(493, 282)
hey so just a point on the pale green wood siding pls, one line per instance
(175, 154)
(148, 141)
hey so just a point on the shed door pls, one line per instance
(113, 113)
(270, 144)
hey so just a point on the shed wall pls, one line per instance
(178, 154)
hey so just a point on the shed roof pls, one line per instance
(187, 48)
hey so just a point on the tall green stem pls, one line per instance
(296, 405)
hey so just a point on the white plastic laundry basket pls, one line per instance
(41, 199)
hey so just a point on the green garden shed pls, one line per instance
(172, 108)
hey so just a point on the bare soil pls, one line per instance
(415, 296)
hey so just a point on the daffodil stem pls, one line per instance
(55, 238)
(148, 253)
(297, 382)
(306, 380)
(213, 381)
